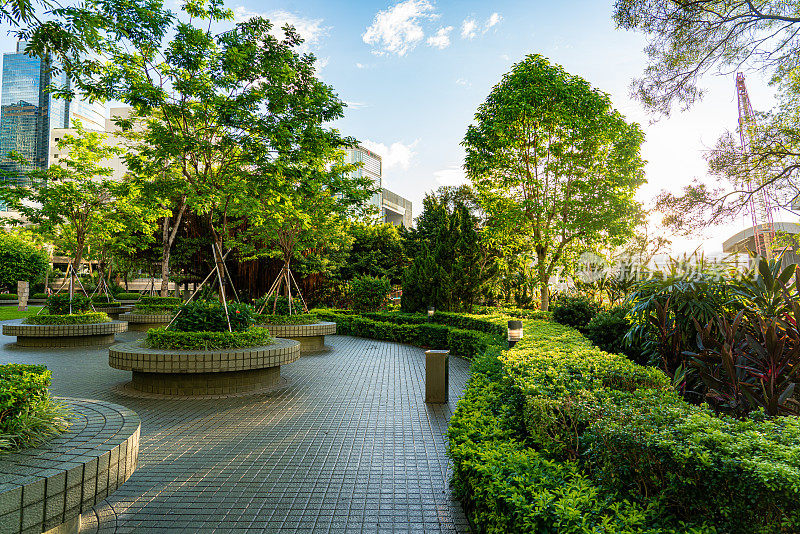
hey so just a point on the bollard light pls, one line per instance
(514, 332)
(431, 311)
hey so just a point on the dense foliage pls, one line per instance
(368, 293)
(608, 329)
(302, 318)
(62, 304)
(209, 316)
(575, 311)
(20, 260)
(87, 317)
(128, 296)
(615, 446)
(159, 338)
(377, 250)
(28, 415)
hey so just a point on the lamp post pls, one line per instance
(514, 332)
(431, 311)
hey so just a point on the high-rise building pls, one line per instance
(392, 208)
(28, 112)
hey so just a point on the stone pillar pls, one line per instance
(437, 375)
(23, 289)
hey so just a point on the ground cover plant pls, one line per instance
(28, 415)
(160, 338)
(88, 317)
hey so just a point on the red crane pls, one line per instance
(759, 203)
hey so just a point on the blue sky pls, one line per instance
(414, 72)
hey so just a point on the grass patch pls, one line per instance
(11, 312)
(76, 318)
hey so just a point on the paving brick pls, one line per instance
(347, 445)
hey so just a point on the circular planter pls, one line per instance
(112, 310)
(142, 322)
(311, 336)
(60, 335)
(47, 488)
(9, 302)
(203, 372)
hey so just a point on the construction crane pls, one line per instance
(759, 202)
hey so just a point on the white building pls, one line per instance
(392, 207)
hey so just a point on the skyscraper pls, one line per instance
(28, 112)
(391, 207)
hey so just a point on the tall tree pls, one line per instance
(239, 114)
(555, 167)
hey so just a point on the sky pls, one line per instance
(414, 72)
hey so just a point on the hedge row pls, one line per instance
(460, 342)
(516, 313)
(128, 296)
(160, 301)
(494, 325)
(76, 318)
(8, 296)
(155, 309)
(613, 439)
(160, 338)
(28, 415)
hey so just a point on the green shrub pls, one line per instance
(303, 318)
(160, 301)
(20, 260)
(39, 296)
(467, 343)
(60, 304)
(8, 296)
(160, 338)
(128, 296)
(608, 329)
(575, 311)
(369, 293)
(209, 316)
(155, 309)
(28, 415)
(103, 299)
(276, 305)
(629, 432)
(62, 319)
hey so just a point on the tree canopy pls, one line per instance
(554, 166)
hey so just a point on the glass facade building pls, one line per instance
(28, 113)
(371, 168)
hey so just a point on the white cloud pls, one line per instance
(397, 155)
(504, 57)
(361, 66)
(397, 30)
(452, 175)
(494, 18)
(356, 105)
(442, 38)
(462, 81)
(311, 30)
(469, 29)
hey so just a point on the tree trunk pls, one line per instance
(544, 282)
(165, 253)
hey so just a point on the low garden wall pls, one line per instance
(203, 372)
(311, 336)
(48, 487)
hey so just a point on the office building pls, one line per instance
(29, 113)
(392, 208)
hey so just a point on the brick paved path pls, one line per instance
(348, 445)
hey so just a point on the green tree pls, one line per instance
(75, 202)
(20, 260)
(450, 264)
(377, 250)
(554, 166)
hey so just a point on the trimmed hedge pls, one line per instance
(39, 296)
(629, 446)
(302, 318)
(159, 301)
(8, 296)
(128, 296)
(103, 299)
(160, 338)
(75, 318)
(60, 304)
(406, 328)
(28, 416)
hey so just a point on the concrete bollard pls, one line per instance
(437, 375)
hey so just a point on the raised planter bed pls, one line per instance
(199, 373)
(47, 488)
(9, 302)
(311, 336)
(141, 322)
(73, 335)
(113, 310)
